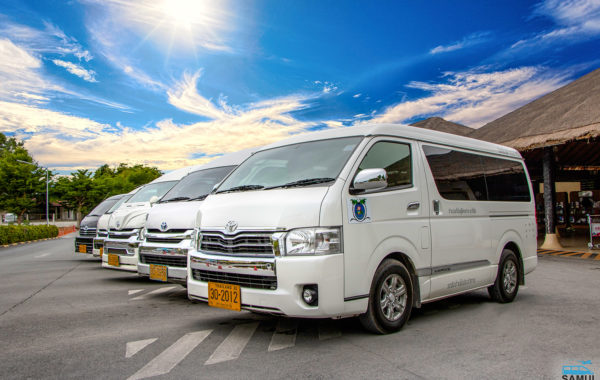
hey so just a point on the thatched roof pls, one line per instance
(441, 125)
(570, 113)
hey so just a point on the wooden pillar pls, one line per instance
(551, 240)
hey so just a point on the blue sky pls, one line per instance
(177, 82)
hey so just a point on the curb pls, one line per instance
(569, 254)
(27, 242)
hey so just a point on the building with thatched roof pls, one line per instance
(559, 137)
(441, 125)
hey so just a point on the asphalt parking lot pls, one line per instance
(63, 316)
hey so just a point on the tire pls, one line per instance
(506, 286)
(390, 298)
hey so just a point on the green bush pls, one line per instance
(15, 233)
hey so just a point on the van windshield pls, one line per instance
(157, 189)
(304, 164)
(103, 207)
(196, 185)
(118, 204)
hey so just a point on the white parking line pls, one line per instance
(327, 330)
(169, 358)
(154, 292)
(134, 291)
(285, 334)
(234, 344)
(42, 255)
(133, 348)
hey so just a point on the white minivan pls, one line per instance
(121, 246)
(169, 230)
(366, 221)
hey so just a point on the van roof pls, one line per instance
(404, 131)
(228, 159)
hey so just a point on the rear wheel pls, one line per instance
(506, 286)
(390, 298)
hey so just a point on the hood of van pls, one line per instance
(103, 222)
(89, 221)
(174, 215)
(269, 209)
(129, 216)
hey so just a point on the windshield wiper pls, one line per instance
(176, 199)
(241, 188)
(303, 182)
(198, 198)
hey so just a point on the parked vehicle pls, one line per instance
(84, 241)
(121, 246)
(9, 218)
(102, 225)
(169, 230)
(366, 221)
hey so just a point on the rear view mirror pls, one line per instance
(370, 179)
(154, 199)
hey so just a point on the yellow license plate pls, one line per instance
(101, 251)
(113, 260)
(225, 296)
(82, 248)
(158, 272)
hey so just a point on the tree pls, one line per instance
(22, 186)
(84, 190)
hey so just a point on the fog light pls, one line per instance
(310, 295)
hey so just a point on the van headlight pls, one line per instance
(313, 241)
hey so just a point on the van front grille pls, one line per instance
(243, 280)
(243, 243)
(171, 261)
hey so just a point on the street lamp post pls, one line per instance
(31, 163)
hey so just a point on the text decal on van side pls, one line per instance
(358, 211)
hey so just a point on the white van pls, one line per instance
(102, 225)
(121, 246)
(170, 225)
(366, 221)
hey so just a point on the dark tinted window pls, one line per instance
(506, 180)
(467, 176)
(458, 175)
(394, 158)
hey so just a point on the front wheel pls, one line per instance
(506, 286)
(390, 298)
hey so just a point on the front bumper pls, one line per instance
(292, 273)
(84, 244)
(98, 247)
(126, 249)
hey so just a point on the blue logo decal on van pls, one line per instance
(358, 211)
(578, 372)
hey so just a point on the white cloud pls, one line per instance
(87, 75)
(19, 74)
(475, 97)
(66, 142)
(468, 41)
(575, 21)
(51, 40)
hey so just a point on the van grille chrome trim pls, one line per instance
(242, 243)
(243, 280)
(88, 232)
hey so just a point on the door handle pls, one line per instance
(436, 207)
(413, 206)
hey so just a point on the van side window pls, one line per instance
(506, 180)
(395, 158)
(458, 175)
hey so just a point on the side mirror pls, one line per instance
(153, 200)
(370, 179)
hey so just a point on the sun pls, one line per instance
(185, 13)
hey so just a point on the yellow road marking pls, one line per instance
(586, 255)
